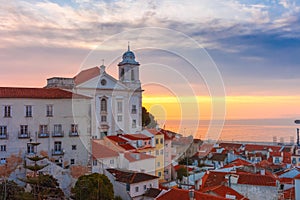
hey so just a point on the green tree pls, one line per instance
(148, 119)
(182, 171)
(118, 198)
(10, 190)
(43, 186)
(94, 187)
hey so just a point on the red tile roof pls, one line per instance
(86, 75)
(138, 136)
(117, 139)
(38, 93)
(133, 157)
(101, 151)
(177, 167)
(130, 176)
(154, 131)
(237, 162)
(222, 191)
(180, 194)
(152, 192)
(289, 193)
(256, 147)
(204, 150)
(127, 147)
(214, 178)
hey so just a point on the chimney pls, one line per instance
(192, 194)
(262, 172)
(298, 142)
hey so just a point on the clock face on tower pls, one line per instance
(103, 82)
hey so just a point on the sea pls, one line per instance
(283, 130)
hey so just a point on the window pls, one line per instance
(72, 161)
(28, 111)
(3, 131)
(158, 164)
(103, 105)
(161, 140)
(3, 147)
(2, 160)
(7, 111)
(103, 118)
(161, 152)
(23, 129)
(136, 189)
(95, 162)
(43, 129)
(133, 109)
(145, 187)
(132, 75)
(166, 144)
(157, 152)
(159, 174)
(122, 74)
(57, 146)
(49, 110)
(57, 129)
(120, 107)
(30, 148)
(119, 118)
(111, 162)
(133, 123)
(74, 147)
(156, 141)
(149, 142)
(74, 128)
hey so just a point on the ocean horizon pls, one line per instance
(280, 130)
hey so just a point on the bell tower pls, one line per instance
(129, 70)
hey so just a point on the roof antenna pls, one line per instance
(128, 46)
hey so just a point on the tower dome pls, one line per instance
(128, 58)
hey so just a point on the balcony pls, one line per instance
(57, 152)
(73, 134)
(57, 134)
(3, 136)
(24, 135)
(43, 134)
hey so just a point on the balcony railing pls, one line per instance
(57, 152)
(73, 133)
(3, 136)
(57, 134)
(23, 135)
(43, 134)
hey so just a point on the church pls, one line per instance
(67, 113)
(116, 105)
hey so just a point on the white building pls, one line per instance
(45, 116)
(116, 105)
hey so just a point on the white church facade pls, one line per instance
(68, 112)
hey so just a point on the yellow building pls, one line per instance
(158, 151)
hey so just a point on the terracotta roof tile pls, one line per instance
(222, 191)
(175, 193)
(101, 151)
(137, 136)
(38, 93)
(152, 192)
(130, 176)
(86, 75)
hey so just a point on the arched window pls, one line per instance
(103, 105)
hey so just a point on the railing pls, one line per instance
(43, 134)
(57, 152)
(73, 133)
(22, 135)
(4, 136)
(57, 134)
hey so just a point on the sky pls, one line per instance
(237, 56)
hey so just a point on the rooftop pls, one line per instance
(130, 176)
(133, 157)
(101, 151)
(38, 93)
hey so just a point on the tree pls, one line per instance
(10, 190)
(148, 119)
(43, 186)
(94, 187)
(182, 171)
